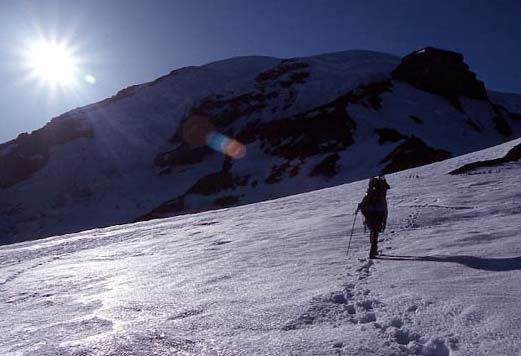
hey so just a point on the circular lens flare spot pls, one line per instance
(226, 145)
(89, 78)
(235, 149)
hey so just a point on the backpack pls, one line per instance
(374, 200)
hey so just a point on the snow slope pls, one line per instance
(272, 278)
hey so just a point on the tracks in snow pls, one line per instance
(356, 304)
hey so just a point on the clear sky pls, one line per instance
(117, 43)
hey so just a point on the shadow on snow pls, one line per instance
(486, 264)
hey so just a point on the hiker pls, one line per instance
(374, 210)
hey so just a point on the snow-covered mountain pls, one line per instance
(245, 130)
(272, 278)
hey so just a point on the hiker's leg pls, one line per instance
(374, 244)
(380, 222)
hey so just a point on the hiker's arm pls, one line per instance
(359, 207)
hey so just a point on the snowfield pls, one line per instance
(272, 278)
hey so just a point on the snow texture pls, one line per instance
(272, 278)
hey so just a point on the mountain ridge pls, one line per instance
(238, 131)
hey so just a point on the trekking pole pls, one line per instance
(352, 230)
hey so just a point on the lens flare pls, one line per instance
(235, 149)
(226, 145)
(198, 131)
(89, 78)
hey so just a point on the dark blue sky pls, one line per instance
(128, 42)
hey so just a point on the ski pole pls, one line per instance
(352, 230)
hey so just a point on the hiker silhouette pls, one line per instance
(374, 209)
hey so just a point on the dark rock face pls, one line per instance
(328, 167)
(182, 155)
(413, 152)
(473, 125)
(513, 155)
(227, 201)
(324, 130)
(285, 66)
(228, 109)
(170, 208)
(389, 135)
(501, 121)
(29, 153)
(213, 183)
(440, 72)
(416, 119)
(502, 126)
(274, 89)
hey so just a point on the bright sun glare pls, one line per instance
(53, 63)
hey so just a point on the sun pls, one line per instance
(52, 62)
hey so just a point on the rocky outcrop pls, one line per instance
(317, 135)
(514, 154)
(413, 152)
(440, 72)
(182, 155)
(389, 135)
(501, 120)
(328, 167)
(274, 91)
(28, 153)
(292, 66)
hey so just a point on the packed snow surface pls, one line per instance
(273, 278)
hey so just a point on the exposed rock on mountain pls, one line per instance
(28, 153)
(440, 72)
(244, 130)
(514, 154)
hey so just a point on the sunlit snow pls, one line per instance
(272, 278)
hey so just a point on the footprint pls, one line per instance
(414, 343)
(368, 317)
(432, 347)
(338, 345)
(364, 270)
(334, 308)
